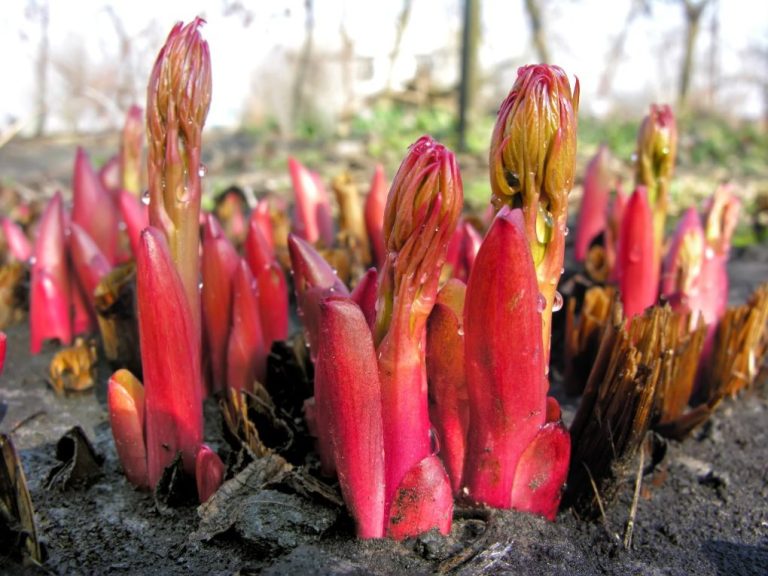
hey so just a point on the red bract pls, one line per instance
(135, 216)
(3, 344)
(50, 285)
(170, 358)
(594, 202)
(261, 219)
(637, 275)
(246, 354)
(347, 378)
(125, 403)
(514, 457)
(90, 263)
(219, 264)
(448, 400)
(93, 208)
(313, 220)
(209, 472)
(313, 278)
(273, 287)
(364, 295)
(423, 206)
(18, 245)
(375, 203)
(681, 273)
(423, 501)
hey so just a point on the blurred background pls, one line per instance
(373, 76)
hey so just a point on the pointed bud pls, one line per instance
(448, 400)
(89, 198)
(313, 220)
(209, 473)
(638, 278)
(682, 266)
(375, 203)
(125, 403)
(50, 290)
(16, 240)
(594, 202)
(219, 264)
(90, 263)
(135, 215)
(246, 354)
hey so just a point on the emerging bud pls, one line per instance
(125, 402)
(637, 274)
(246, 354)
(178, 98)
(209, 472)
(655, 164)
(16, 241)
(682, 267)
(594, 202)
(219, 264)
(50, 285)
(422, 210)
(313, 220)
(135, 216)
(532, 164)
(90, 198)
(375, 203)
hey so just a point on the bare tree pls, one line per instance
(538, 34)
(693, 12)
(37, 11)
(713, 70)
(616, 51)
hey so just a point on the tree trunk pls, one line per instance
(469, 69)
(693, 12)
(402, 23)
(538, 36)
(297, 99)
(41, 71)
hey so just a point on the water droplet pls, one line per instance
(665, 150)
(122, 226)
(544, 226)
(565, 231)
(557, 304)
(709, 253)
(461, 330)
(32, 260)
(200, 286)
(202, 171)
(145, 198)
(541, 303)
(423, 278)
(513, 180)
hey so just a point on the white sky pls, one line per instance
(580, 33)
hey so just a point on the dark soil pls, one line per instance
(703, 510)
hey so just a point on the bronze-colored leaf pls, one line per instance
(73, 369)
